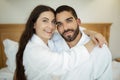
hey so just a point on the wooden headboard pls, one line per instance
(14, 31)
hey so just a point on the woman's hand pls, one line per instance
(96, 37)
(90, 45)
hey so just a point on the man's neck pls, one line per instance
(74, 42)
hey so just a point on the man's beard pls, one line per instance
(70, 38)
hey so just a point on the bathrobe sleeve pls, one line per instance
(102, 63)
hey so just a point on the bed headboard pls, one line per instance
(14, 31)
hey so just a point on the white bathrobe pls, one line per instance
(41, 63)
(98, 67)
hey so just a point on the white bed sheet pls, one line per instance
(5, 74)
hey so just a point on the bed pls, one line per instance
(12, 32)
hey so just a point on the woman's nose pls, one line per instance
(51, 25)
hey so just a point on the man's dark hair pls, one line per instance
(66, 8)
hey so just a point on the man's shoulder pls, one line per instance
(103, 49)
(101, 57)
(102, 53)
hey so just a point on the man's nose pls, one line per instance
(65, 26)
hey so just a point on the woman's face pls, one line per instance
(45, 25)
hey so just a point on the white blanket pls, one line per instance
(5, 73)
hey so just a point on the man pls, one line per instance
(98, 67)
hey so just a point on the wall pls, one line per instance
(17, 11)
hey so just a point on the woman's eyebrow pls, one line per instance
(45, 18)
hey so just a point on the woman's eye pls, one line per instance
(45, 20)
(59, 25)
(54, 22)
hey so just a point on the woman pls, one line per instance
(34, 59)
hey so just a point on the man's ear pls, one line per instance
(79, 21)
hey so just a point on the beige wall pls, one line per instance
(17, 11)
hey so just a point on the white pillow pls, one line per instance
(11, 48)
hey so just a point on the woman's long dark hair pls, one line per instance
(26, 36)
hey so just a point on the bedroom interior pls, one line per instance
(104, 19)
(14, 31)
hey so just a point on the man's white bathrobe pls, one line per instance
(41, 63)
(98, 67)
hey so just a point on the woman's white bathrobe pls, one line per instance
(41, 63)
(97, 67)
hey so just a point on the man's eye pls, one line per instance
(69, 20)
